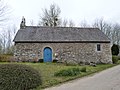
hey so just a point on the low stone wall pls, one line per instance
(64, 52)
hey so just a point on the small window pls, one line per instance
(98, 47)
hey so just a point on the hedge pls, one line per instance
(18, 77)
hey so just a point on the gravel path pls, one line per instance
(106, 80)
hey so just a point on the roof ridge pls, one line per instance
(62, 27)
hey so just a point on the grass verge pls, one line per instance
(47, 71)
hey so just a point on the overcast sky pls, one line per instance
(77, 10)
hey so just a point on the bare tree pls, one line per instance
(3, 41)
(31, 22)
(103, 26)
(50, 17)
(116, 34)
(64, 23)
(6, 38)
(111, 30)
(11, 31)
(84, 24)
(67, 23)
(100, 23)
(4, 11)
(9, 39)
(1, 47)
(71, 23)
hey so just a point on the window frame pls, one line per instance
(98, 47)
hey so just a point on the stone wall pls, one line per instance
(65, 52)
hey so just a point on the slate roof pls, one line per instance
(60, 34)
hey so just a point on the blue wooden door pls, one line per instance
(47, 54)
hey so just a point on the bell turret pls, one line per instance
(23, 22)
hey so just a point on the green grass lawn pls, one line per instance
(47, 71)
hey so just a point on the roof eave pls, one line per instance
(62, 41)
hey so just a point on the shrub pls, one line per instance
(55, 60)
(115, 59)
(18, 77)
(83, 69)
(4, 58)
(68, 72)
(40, 60)
(115, 49)
(118, 57)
